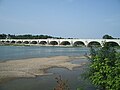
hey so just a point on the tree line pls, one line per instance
(29, 36)
(26, 36)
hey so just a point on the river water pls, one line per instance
(23, 52)
(46, 82)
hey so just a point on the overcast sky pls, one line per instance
(63, 18)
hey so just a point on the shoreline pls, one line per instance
(40, 45)
(31, 68)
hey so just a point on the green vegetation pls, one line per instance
(105, 68)
(3, 36)
(109, 37)
(27, 36)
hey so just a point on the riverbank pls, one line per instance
(41, 45)
(33, 67)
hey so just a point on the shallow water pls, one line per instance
(77, 61)
(48, 82)
(23, 52)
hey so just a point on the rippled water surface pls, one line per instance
(21, 52)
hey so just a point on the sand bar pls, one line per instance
(34, 67)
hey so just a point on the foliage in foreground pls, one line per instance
(105, 68)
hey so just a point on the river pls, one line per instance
(25, 52)
(46, 82)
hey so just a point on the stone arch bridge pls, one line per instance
(62, 42)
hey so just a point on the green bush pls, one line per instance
(105, 68)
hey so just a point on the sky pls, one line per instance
(61, 18)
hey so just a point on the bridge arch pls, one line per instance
(65, 43)
(7, 41)
(53, 43)
(13, 42)
(33, 42)
(112, 43)
(94, 43)
(26, 42)
(19, 42)
(43, 43)
(79, 43)
(2, 41)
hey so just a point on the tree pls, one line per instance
(3, 36)
(107, 37)
(105, 68)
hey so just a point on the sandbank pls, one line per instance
(34, 67)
